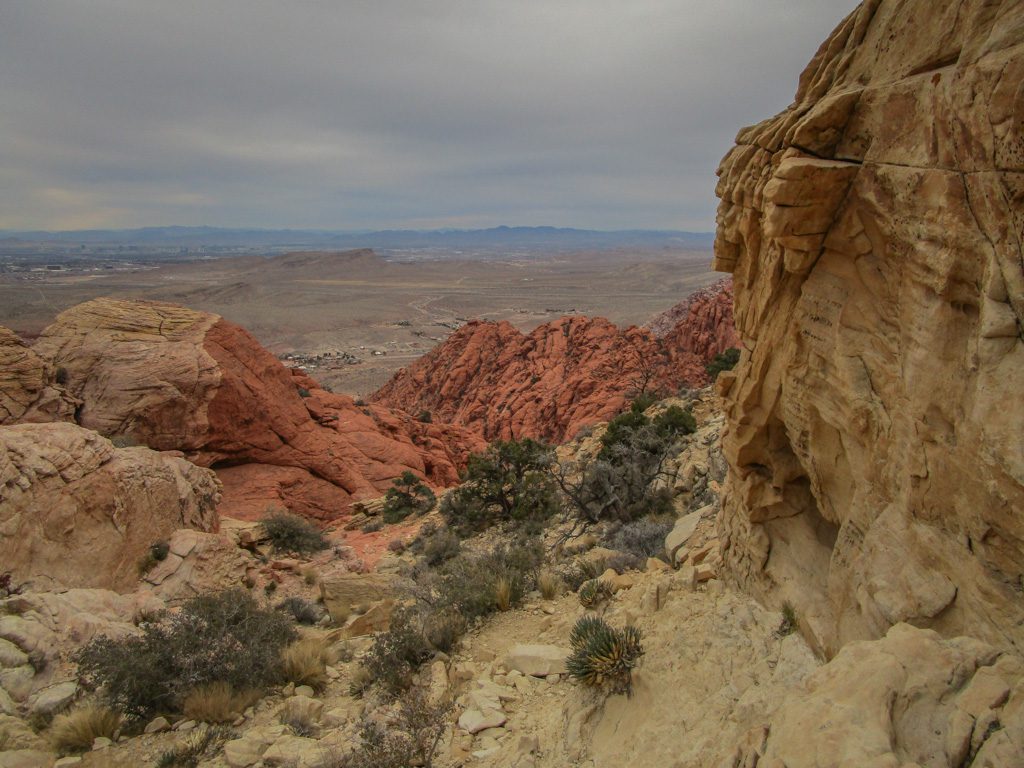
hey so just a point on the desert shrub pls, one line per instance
(304, 662)
(226, 637)
(373, 526)
(549, 584)
(397, 546)
(360, 681)
(407, 495)
(197, 744)
(620, 562)
(310, 577)
(469, 583)
(594, 592)
(61, 376)
(642, 538)
(291, 533)
(425, 417)
(503, 591)
(270, 588)
(724, 361)
(443, 628)
(303, 392)
(440, 547)
(602, 656)
(789, 622)
(156, 553)
(411, 738)
(217, 702)
(76, 730)
(302, 611)
(396, 654)
(507, 482)
(620, 482)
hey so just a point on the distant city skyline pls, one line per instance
(386, 115)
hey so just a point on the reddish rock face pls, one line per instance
(563, 376)
(175, 379)
(701, 324)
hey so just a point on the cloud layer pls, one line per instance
(386, 113)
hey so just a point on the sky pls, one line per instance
(418, 114)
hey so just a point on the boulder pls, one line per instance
(681, 533)
(537, 660)
(476, 720)
(173, 378)
(344, 592)
(75, 510)
(874, 419)
(29, 391)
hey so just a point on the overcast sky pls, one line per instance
(602, 114)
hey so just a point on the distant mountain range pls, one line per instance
(528, 238)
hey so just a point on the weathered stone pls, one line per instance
(681, 533)
(537, 660)
(53, 699)
(475, 720)
(873, 229)
(342, 593)
(157, 725)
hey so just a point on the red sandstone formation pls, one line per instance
(700, 324)
(176, 379)
(563, 376)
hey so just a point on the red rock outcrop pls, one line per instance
(76, 511)
(876, 424)
(28, 388)
(563, 376)
(701, 324)
(173, 378)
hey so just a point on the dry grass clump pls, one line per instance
(503, 593)
(75, 731)
(217, 703)
(549, 584)
(304, 662)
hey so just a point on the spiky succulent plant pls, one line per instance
(594, 592)
(602, 656)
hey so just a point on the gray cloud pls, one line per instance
(386, 113)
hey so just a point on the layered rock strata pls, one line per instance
(873, 230)
(75, 510)
(29, 391)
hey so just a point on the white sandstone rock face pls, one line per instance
(76, 511)
(874, 230)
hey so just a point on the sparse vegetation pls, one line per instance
(290, 533)
(156, 553)
(509, 481)
(438, 546)
(724, 361)
(302, 611)
(602, 656)
(549, 584)
(594, 592)
(396, 654)
(426, 417)
(621, 482)
(789, 622)
(7, 585)
(642, 538)
(217, 702)
(76, 730)
(304, 662)
(411, 738)
(223, 637)
(407, 495)
(201, 741)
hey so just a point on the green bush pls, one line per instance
(602, 656)
(642, 538)
(222, 637)
(410, 738)
(397, 653)
(292, 534)
(509, 481)
(469, 583)
(724, 361)
(407, 495)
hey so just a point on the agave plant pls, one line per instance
(602, 656)
(594, 592)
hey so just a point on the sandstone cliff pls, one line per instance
(76, 511)
(177, 379)
(874, 230)
(567, 374)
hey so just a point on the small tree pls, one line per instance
(407, 495)
(723, 361)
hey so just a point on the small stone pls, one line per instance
(553, 679)
(474, 720)
(185, 725)
(537, 660)
(65, 762)
(101, 742)
(304, 690)
(157, 725)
